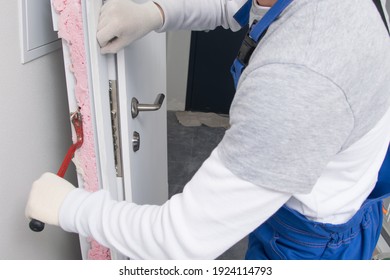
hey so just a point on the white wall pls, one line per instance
(35, 135)
(178, 52)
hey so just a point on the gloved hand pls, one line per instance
(46, 197)
(122, 22)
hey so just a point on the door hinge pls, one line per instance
(114, 107)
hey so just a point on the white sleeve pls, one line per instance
(215, 210)
(199, 14)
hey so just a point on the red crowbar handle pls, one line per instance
(76, 119)
(78, 127)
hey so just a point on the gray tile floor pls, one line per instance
(188, 147)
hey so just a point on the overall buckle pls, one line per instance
(247, 47)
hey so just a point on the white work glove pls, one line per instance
(46, 197)
(122, 22)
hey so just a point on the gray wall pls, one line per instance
(35, 135)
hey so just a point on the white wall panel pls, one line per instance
(36, 29)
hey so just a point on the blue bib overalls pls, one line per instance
(288, 234)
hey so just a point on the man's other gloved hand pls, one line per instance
(46, 197)
(122, 22)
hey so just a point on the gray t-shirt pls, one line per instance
(317, 82)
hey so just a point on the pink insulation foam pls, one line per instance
(70, 29)
(97, 251)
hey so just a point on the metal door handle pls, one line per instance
(136, 107)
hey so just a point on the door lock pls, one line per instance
(136, 107)
(136, 141)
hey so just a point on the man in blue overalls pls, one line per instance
(298, 168)
(290, 235)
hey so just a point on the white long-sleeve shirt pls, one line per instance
(199, 14)
(309, 127)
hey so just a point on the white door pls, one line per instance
(131, 151)
(142, 83)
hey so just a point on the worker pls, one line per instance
(309, 133)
